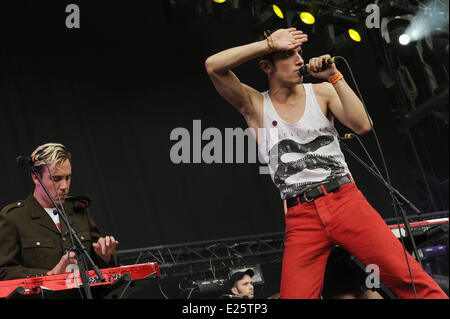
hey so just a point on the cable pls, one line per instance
(190, 292)
(369, 157)
(160, 289)
(125, 288)
(391, 193)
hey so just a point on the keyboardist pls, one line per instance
(33, 241)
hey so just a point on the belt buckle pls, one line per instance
(306, 198)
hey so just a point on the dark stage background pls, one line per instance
(113, 90)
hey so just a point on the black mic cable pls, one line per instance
(350, 136)
(388, 179)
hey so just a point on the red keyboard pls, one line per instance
(34, 285)
(418, 227)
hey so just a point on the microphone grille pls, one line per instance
(304, 71)
(21, 160)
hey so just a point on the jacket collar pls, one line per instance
(38, 212)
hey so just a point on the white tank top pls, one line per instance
(304, 154)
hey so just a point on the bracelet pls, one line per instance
(268, 36)
(335, 78)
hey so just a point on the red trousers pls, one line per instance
(345, 218)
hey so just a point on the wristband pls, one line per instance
(335, 78)
(270, 43)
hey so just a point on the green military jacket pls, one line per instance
(31, 244)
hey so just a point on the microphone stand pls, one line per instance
(396, 195)
(80, 251)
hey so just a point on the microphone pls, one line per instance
(304, 69)
(27, 160)
(349, 136)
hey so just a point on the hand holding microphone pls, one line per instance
(321, 67)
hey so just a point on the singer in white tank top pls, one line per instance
(304, 152)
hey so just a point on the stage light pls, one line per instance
(430, 18)
(354, 35)
(279, 13)
(404, 39)
(307, 18)
(392, 28)
(348, 40)
(266, 16)
(223, 10)
(345, 31)
(303, 17)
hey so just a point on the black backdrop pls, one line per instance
(113, 90)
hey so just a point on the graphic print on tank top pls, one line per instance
(303, 154)
(312, 161)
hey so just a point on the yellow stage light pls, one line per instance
(354, 35)
(307, 18)
(278, 11)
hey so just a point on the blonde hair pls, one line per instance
(50, 153)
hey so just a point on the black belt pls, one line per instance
(315, 192)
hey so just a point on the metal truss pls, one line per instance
(353, 6)
(208, 259)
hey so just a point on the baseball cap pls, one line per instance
(238, 276)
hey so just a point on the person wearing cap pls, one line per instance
(33, 241)
(241, 284)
